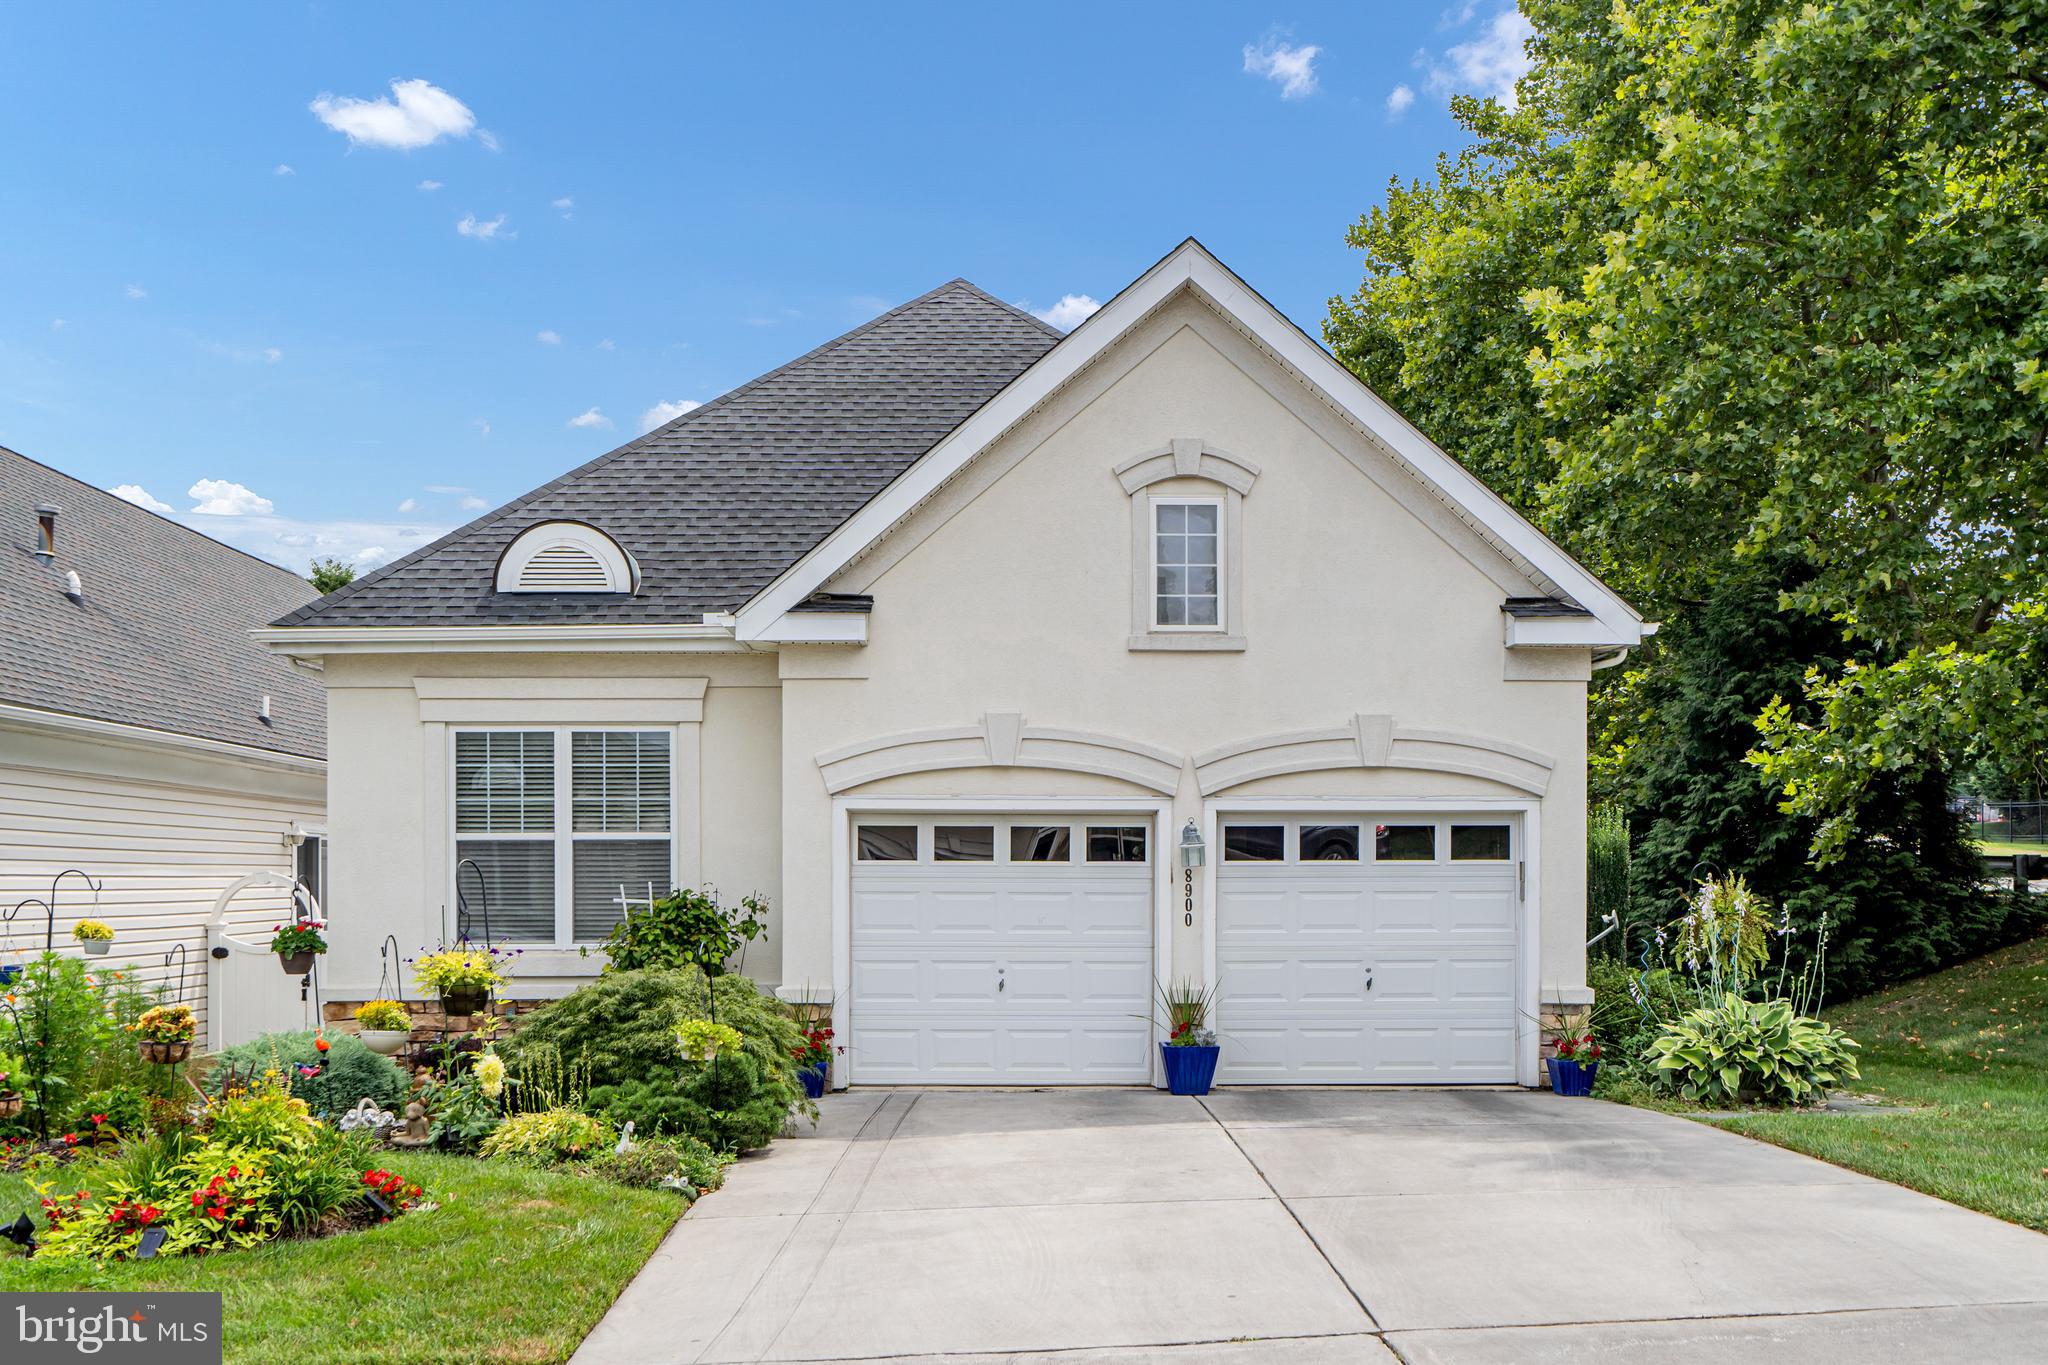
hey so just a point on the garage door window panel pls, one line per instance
(1041, 844)
(886, 843)
(1329, 843)
(1254, 843)
(1404, 843)
(964, 843)
(1116, 843)
(1480, 844)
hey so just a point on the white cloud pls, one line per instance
(1070, 312)
(548, 336)
(472, 503)
(283, 169)
(1292, 68)
(449, 489)
(409, 505)
(1399, 99)
(430, 184)
(1490, 64)
(484, 230)
(220, 498)
(419, 114)
(590, 417)
(56, 324)
(137, 494)
(136, 291)
(483, 428)
(664, 412)
(1458, 15)
(271, 355)
(488, 138)
(295, 543)
(565, 206)
(606, 345)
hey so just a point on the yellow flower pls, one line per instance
(490, 1075)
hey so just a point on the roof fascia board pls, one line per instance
(1188, 265)
(313, 642)
(138, 736)
(816, 628)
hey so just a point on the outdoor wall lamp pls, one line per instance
(1192, 851)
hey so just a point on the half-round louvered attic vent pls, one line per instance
(566, 556)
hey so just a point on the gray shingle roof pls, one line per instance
(720, 501)
(159, 638)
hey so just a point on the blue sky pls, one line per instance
(325, 278)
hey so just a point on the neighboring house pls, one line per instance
(944, 637)
(145, 739)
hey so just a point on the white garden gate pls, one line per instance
(247, 996)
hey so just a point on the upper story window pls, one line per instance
(566, 556)
(1187, 545)
(1187, 564)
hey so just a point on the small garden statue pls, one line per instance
(418, 1132)
(366, 1114)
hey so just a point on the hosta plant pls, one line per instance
(1739, 1050)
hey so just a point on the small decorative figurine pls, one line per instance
(366, 1114)
(416, 1127)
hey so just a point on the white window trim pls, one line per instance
(564, 836)
(1232, 478)
(621, 573)
(1223, 621)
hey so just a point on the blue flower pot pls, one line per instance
(1568, 1077)
(814, 1079)
(9, 974)
(1189, 1070)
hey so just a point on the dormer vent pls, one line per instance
(73, 589)
(566, 556)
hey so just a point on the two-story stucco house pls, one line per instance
(1019, 671)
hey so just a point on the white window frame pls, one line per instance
(1222, 624)
(564, 835)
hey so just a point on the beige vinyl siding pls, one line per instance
(162, 851)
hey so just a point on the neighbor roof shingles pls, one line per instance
(160, 636)
(716, 504)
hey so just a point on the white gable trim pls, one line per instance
(1190, 266)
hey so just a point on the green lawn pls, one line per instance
(516, 1265)
(1970, 1047)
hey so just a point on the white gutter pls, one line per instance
(140, 736)
(314, 641)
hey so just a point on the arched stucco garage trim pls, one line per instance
(1000, 740)
(1369, 741)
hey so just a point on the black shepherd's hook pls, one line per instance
(49, 917)
(390, 969)
(483, 895)
(177, 951)
(35, 1071)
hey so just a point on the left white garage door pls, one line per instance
(1013, 950)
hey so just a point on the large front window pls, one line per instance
(556, 829)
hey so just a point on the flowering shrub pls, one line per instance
(92, 930)
(300, 936)
(384, 1015)
(490, 1074)
(165, 1024)
(701, 1040)
(466, 968)
(330, 1081)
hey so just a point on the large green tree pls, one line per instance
(1747, 283)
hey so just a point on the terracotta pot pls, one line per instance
(296, 964)
(10, 1104)
(163, 1053)
(384, 1041)
(96, 947)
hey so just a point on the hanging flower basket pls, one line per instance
(163, 1053)
(95, 936)
(297, 944)
(10, 1104)
(467, 1000)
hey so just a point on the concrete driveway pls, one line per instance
(1310, 1226)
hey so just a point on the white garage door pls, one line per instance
(1376, 948)
(1012, 950)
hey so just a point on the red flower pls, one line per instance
(98, 1119)
(71, 1139)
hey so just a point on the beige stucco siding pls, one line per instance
(390, 860)
(163, 831)
(1011, 592)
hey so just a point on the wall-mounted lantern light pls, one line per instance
(1192, 851)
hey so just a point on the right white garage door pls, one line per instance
(1375, 949)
